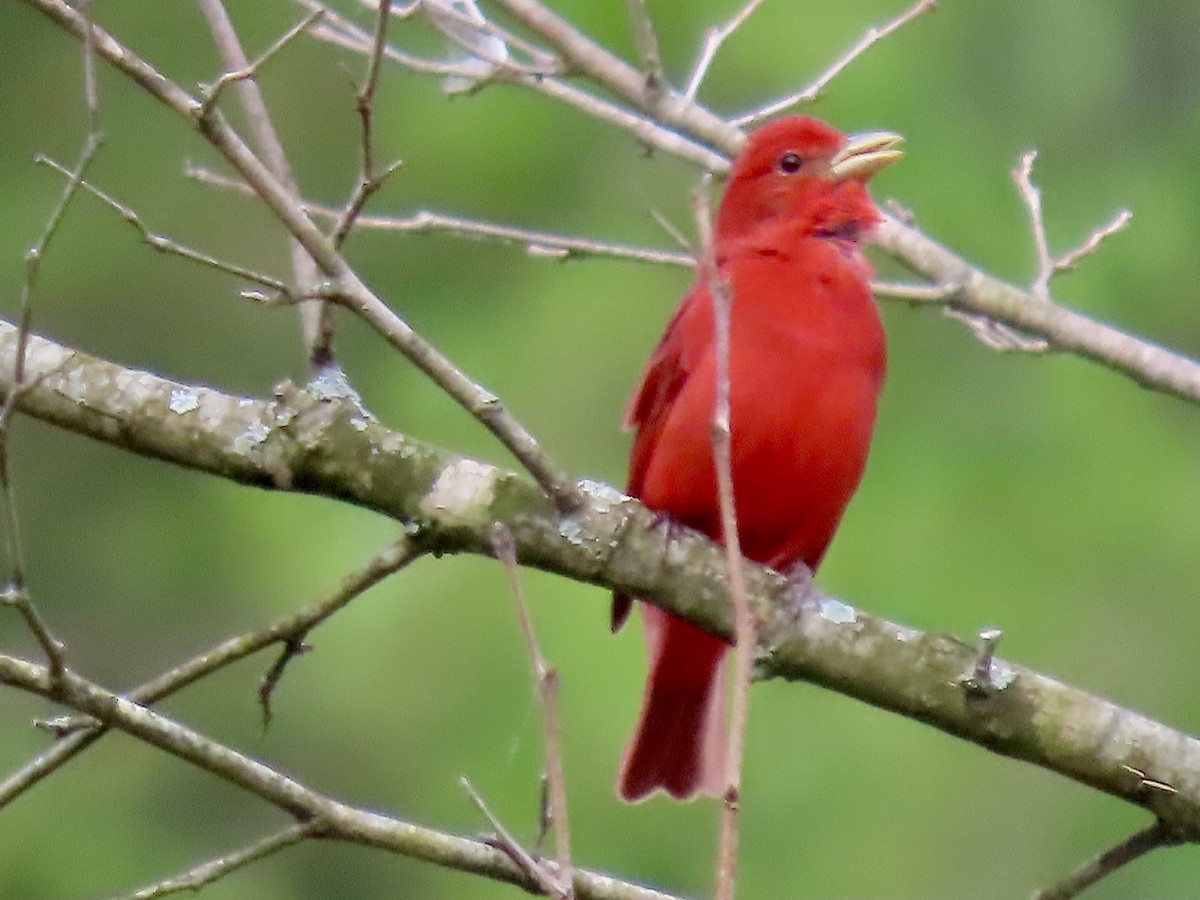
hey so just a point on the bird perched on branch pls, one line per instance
(806, 363)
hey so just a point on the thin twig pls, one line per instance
(369, 180)
(379, 567)
(1132, 848)
(535, 871)
(306, 274)
(814, 90)
(646, 39)
(744, 627)
(245, 71)
(164, 244)
(215, 869)
(16, 592)
(1048, 265)
(546, 680)
(714, 38)
(544, 244)
(1070, 260)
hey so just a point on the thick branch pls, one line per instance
(298, 443)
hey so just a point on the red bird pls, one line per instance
(806, 362)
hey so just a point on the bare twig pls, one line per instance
(968, 290)
(646, 39)
(305, 273)
(546, 681)
(536, 243)
(369, 180)
(1049, 266)
(1070, 260)
(1132, 848)
(744, 627)
(1000, 336)
(547, 881)
(16, 593)
(164, 244)
(215, 869)
(289, 627)
(714, 38)
(913, 293)
(813, 91)
(245, 71)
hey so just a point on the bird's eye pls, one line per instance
(790, 163)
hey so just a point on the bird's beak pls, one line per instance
(865, 155)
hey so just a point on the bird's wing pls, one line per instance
(688, 336)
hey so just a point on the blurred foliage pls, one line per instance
(1043, 495)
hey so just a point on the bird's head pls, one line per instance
(801, 172)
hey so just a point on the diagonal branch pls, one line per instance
(344, 284)
(1134, 847)
(286, 628)
(215, 869)
(305, 273)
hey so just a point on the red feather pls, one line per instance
(807, 363)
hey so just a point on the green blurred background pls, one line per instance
(1043, 495)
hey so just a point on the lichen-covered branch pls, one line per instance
(295, 442)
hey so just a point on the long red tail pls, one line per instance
(679, 744)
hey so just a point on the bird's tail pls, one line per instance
(679, 744)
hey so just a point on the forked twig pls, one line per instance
(245, 70)
(813, 91)
(714, 38)
(369, 180)
(164, 244)
(84, 731)
(546, 681)
(1000, 336)
(1048, 266)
